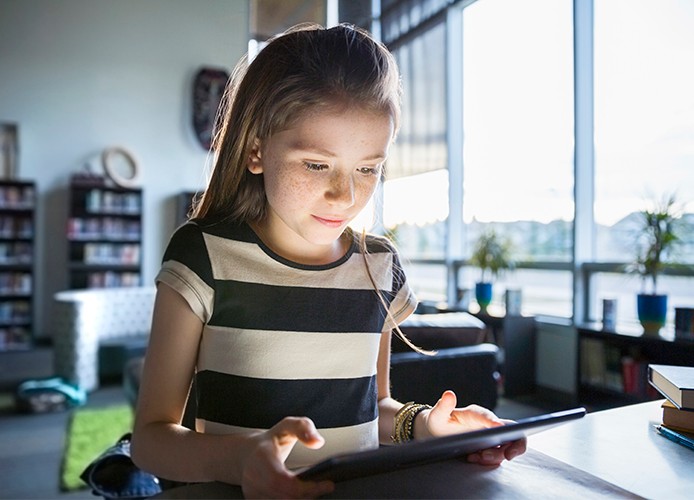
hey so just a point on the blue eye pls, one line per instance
(317, 167)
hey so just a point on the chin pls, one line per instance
(325, 238)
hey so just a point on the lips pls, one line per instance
(329, 221)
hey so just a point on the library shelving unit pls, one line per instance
(104, 234)
(612, 366)
(17, 212)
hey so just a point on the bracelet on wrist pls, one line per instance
(403, 422)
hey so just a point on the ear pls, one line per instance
(255, 165)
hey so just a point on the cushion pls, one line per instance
(441, 331)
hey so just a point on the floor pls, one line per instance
(31, 446)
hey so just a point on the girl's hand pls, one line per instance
(264, 472)
(445, 419)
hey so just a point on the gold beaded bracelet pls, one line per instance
(403, 423)
(398, 421)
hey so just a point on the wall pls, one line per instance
(78, 76)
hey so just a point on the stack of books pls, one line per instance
(676, 383)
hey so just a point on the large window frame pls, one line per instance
(583, 267)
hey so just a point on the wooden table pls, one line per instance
(609, 454)
(622, 447)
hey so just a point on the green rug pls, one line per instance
(90, 433)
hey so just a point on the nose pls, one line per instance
(341, 190)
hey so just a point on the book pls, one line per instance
(673, 417)
(676, 383)
(683, 438)
(629, 375)
(593, 362)
(613, 368)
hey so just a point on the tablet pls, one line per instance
(389, 458)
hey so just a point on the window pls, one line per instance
(415, 195)
(644, 130)
(517, 119)
(518, 137)
(644, 110)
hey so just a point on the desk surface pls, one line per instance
(608, 454)
(621, 446)
(531, 476)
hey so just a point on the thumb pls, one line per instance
(440, 414)
(445, 405)
(439, 418)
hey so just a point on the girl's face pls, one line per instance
(318, 175)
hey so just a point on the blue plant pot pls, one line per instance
(483, 295)
(652, 311)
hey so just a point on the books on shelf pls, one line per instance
(608, 367)
(601, 365)
(676, 383)
(677, 419)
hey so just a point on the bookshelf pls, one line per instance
(104, 234)
(612, 367)
(17, 221)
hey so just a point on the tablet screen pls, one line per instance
(389, 458)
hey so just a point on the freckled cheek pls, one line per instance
(364, 190)
(290, 194)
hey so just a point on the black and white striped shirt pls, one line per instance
(286, 339)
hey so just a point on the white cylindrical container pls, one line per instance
(609, 315)
(514, 301)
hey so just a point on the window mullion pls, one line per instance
(584, 155)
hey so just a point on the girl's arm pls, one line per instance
(387, 406)
(443, 419)
(162, 446)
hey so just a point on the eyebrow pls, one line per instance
(309, 148)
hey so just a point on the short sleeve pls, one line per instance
(186, 268)
(402, 300)
(405, 301)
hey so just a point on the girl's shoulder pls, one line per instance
(218, 227)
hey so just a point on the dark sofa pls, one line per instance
(463, 362)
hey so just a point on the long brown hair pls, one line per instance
(304, 68)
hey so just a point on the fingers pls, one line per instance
(265, 474)
(286, 485)
(311, 489)
(445, 418)
(491, 456)
(516, 448)
(291, 429)
(494, 456)
(289, 486)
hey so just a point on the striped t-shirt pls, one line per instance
(286, 339)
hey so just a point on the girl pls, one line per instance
(280, 313)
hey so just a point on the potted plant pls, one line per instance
(656, 239)
(491, 254)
